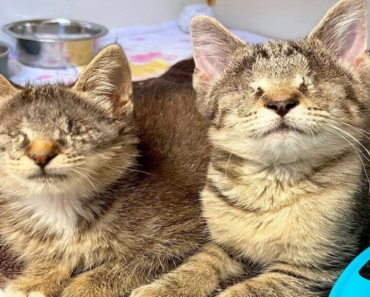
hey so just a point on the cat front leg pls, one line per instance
(39, 280)
(112, 279)
(199, 276)
(286, 281)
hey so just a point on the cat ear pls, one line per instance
(6, 88)
(107, 78)
(213, 47)
(343, 31)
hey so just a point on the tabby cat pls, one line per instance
(87, 215)
(287, 194)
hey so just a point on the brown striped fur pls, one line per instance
(287, 197)
(102, 217)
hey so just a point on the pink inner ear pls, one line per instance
(355, 45)
(205, 67)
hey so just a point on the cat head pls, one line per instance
(68, 140)
(281, 102)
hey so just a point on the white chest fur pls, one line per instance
(57, 212)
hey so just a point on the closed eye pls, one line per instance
(69, 126)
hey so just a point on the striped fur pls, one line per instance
(99, 220)
(287, 197)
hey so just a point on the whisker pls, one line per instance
(361, 131)
(356, 150)
(349, 135)
(88, 179)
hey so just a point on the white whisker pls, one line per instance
(356, 150)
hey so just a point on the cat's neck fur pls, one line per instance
(64, 213)
(265, 187)
(59, 213)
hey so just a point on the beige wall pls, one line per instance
(282, 19)
(110, 13)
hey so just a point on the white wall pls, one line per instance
(110, 13)
(282, 19)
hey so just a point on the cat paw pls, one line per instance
(82, 287)
(9, 292)
(157, 291)
(228, 294)
(148, 291)
(238, 290)
(76, 292)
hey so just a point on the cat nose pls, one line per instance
(282, 107)
(42, 152)
(43, 159)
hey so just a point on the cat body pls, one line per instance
(85, 210)
(287, 195)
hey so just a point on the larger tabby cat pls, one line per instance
(87, 216)
(287, 196)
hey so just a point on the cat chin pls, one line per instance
(283, 147)
(60, 188)
(31, 189)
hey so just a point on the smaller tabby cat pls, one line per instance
(287, 195)
(88, 217)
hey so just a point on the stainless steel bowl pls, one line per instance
(4, 53)
(55, 43)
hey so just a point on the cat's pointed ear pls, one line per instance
(213, 47)
(107, 78)
(343, 31)
(6, 89)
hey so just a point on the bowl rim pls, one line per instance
(7, 52)
(7, 29)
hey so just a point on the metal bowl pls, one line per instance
(5, 49)
(55, 43)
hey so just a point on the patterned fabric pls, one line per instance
(151, 51)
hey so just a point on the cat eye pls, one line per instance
(69, 126)
(61, 142)
(302, 87)
(235, 87)
(258, 92)
(22, 140)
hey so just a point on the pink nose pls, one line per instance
(42, 151)
(43, 159)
